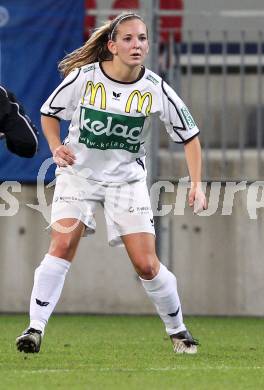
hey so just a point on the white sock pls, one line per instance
(48, 283)
(162, 290)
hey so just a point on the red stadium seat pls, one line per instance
(173, 22)
(89, 20)
(125, 4)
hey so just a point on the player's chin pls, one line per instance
(136, 60)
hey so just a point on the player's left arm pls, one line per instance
(193, 156)
(182, 129)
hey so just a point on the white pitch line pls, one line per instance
(156, 369)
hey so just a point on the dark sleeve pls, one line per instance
(20, 133)
(5, 105)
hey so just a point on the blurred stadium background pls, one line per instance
(211, 52)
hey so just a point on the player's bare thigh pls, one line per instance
(65, 237)
(141, 250)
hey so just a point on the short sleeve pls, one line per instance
(176, 117)
(62, 103)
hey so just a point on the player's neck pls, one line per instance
(122, 72)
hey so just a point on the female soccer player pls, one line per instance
(109, 97)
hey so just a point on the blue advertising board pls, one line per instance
(34, 37)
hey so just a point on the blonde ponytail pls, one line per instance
(95, 48)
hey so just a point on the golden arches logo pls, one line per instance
(94, 89)
(140, 101)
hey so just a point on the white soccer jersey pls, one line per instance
(110, 121)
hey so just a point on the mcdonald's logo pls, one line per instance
(94, 89)
(140, 101)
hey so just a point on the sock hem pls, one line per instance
(158, 280)
(56, 262)
(179, 329)
(38, 325)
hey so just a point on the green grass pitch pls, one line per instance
(133, 352)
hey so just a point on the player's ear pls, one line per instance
(111, 45)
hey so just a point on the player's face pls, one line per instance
(131, 42)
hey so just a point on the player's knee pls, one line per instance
(147, 267)
(63, 247)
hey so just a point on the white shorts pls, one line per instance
(126, 206)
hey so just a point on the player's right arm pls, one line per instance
(61, 104)
(62, 155)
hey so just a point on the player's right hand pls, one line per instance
(63, 156)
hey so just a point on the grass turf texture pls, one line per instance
(129, 352)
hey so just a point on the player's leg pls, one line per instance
(161, 287)
(49, 280)
(73, 208)
(130, 220)
(159, 283)
(50, 275)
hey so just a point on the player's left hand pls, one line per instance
(197, 199)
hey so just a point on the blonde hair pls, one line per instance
(95, 48)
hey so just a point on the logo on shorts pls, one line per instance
(78, 198)
(140, 211)
(105, 130)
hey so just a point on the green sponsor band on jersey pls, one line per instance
(188, 118)
(104, 130)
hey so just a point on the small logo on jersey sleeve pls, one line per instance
(88, 68)
(152, 79)
(188, 118)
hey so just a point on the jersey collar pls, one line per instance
(141, 74)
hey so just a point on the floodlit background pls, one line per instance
(211, 52)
